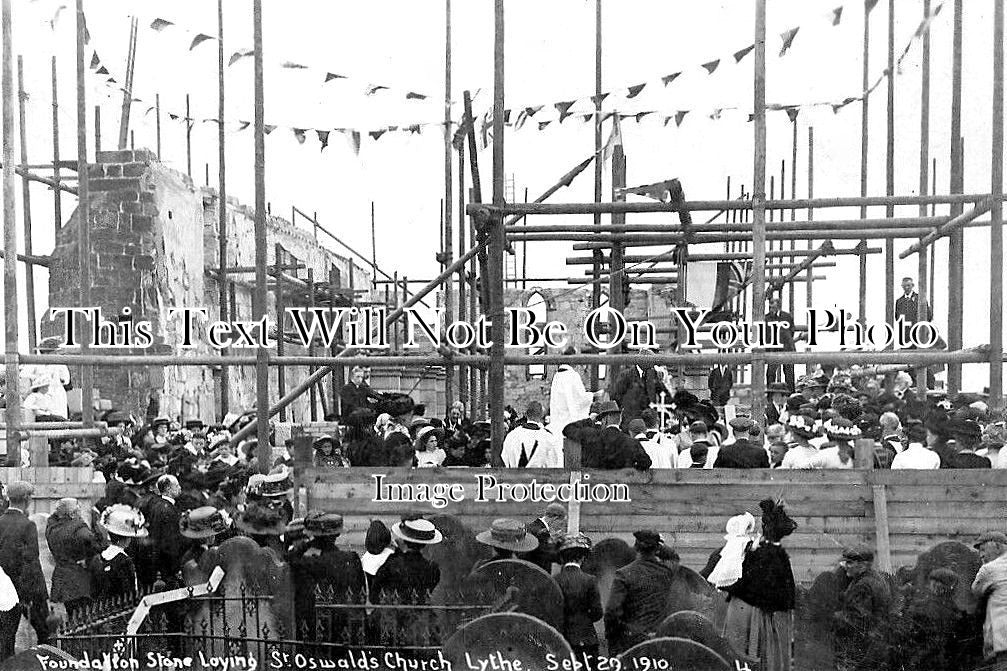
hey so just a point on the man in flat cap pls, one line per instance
(19, 560)
(639, 601)
(860, 625)
(990, 586)
(746, 451)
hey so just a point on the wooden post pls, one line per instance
(617, 281)
(264, 451)
(157, 109)
(97, 131)
(281, 381)
(864, 148)
(338, 373)
(188, 138)
(921, 267)
(793, 194)
(809, 291)
(13, 411)
(221, 199)
(497, 247)
(57, 197)
(463, 371)
(313, 392)
(374, 245)
(83, 222)
(759, 211)
(449, 310)
(127, 89)
(596, 266)
(29, 270)
(890, 169)
(884, 546)
(996, 213)
(863, 454)
(956, 243)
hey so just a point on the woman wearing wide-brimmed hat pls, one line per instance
(429, 452)
(113, 573)
(264, 520)
(202, 525)
(507, 538)
(329, 453)
(407, 576)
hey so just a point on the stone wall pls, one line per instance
(153, 238)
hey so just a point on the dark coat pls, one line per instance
(406, 577)
(368, 451)
(167, 543)
(352, 397)
(72, 544)
(112, 578)
(581, 605)
(19, 556)
(786, 329)
(615, 450)
(866, 604)
(967, 460)
(545, 554)
(767, 579)
(907, 307)
(720, 383)
(634, 393)
(742, 454)
(772, 414)
(638, 603)
(321, 565)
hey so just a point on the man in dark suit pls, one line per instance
(614, 448)
(907, 305)
(162, 515)
(638, 602)
(355, 394)
(746, 451)
(720, 381)
(777, 393)
(634, 390)
(581, 599)
(786, 321)
(19, 560)
(546, 529)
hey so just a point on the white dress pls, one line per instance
(568, 400)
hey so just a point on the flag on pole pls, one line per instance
(614, 138)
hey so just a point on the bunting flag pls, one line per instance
(543, 124)
(329, 76)
(837, 15)
(667, 79)
(792, 112)
(287, 65)
(95, 61)
(663, 191)
(415, 96)
(376, 134)
(267, 129)
(738, 55)
(353, 137)
(614, 140)
(788, 39)
(238, 55)
(711, 67)
(869, 5)
(299, 135)
(199, 39)
(599, 99)
(160, 24)
(634, 91)
(323, 138)
(371, 90)
(564, 109)
(680, 116)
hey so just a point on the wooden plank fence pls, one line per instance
(834, 509)
(53, 483)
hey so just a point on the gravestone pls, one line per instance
(506, 637)
(958, 557)
(607, 557)
(699, 628)
(515, 585)
(677, 653)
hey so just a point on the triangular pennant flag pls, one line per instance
(299, 134)
(173, 117)
(837, 15)
(242, 125)
(564, 109)
(160, 24)
(522, 116)
(199, 39)
(375, 134)
(597, 100)
(532, 111)
(506, 116)
(587, 117)
(353, 137)
(716, 113)
(415, 129)
(150, 108)
(95, 61)
(634, 91)
(87, 33)
(667, 120)
(614, 140)
(391, 129)
(788, 39)
(711, 66)
(836, 107)
(412, 95)
(738, 55)
(268, 128)
(323, 138)
(543, 124)
(102, 70)
(293, 66)
(667, 79)
(792, 112)
(238, 55)
(751, 118)
(869, 5)
(329, 76)
(371, 90)
(640, 115)
(111, 80)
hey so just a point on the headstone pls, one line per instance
(455, 555)
(607, 557)
(690, 591)
(39, 658)
(813, 620)
(515, 585)
(958, 557)
(673, 653)
(508, 638)
(699, 628)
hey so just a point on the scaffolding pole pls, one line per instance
(13, 411)
(996, 229)
(759, 212)
(263, 450)
(83, 218)
(29, 271)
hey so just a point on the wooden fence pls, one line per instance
(900, 513)
(53, 483)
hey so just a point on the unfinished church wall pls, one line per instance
(154, 236)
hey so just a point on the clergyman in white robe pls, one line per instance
(568, 400)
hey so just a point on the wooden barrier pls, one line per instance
(55, 482)
(834, 509)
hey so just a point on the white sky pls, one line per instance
(550, 58)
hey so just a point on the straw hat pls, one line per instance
(323, 524)
(203, 522)
(508, 534)
(417, 531)
(262, 517)
(273, 485)
(123, 520)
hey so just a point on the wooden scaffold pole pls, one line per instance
(13, 396)
(497, 244)
(890, 169)
(996, 227)
(759, 210)
(448, 237)
(864, 148)
(921, 266)
(263, 451)
(29, 270)
(221, 204)
(83, 220)
(956, 243)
